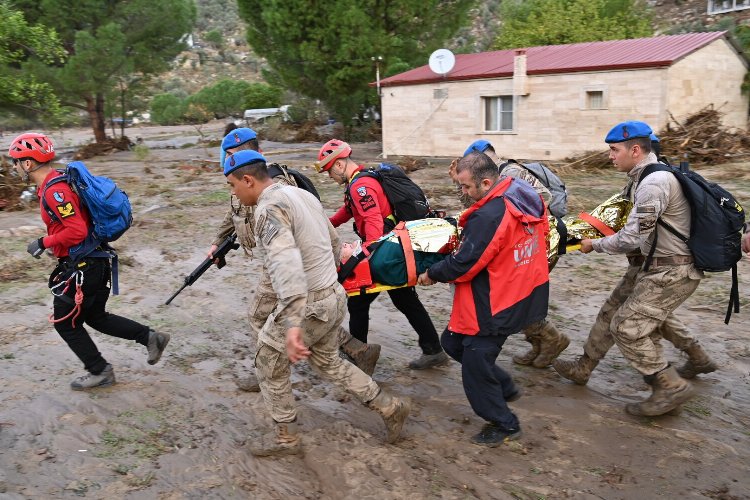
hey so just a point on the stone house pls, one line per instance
(552, 102)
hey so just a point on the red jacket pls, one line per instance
(367, 203)
(500, 267)
(73, 224)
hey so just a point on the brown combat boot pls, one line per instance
(364, 356)
(394, 412)
(698, 362)
(248, 383)
(551, 344)
(669, 391)
(530, 355)
(283, 440)
(578, 371)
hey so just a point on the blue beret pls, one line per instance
(238, 136)
(480, 146)
(654, 137)
(628, 130)
(240, 159)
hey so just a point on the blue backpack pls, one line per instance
(109, 207)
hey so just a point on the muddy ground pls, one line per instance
(178, 430)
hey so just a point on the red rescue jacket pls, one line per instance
(73, 222)
(500, 267)
(367, 203)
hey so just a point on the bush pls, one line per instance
(304, 109)
(261, 95)
(215, 38)
(168, 109)
(224, 98)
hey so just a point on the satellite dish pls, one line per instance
(442, 61)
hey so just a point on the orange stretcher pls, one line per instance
(360, 280)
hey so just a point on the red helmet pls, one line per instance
(36, 146)
(330, 152)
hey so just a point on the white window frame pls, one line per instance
(722, 6)
(585, 91)
(485, 100)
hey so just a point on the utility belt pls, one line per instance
(321, 294)
(67, 266)
(672, 260)
(68, 263)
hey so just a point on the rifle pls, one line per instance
(230, 243)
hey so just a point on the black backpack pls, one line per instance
(407, 200)
(715, 224)
(302, 181)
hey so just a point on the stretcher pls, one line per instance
(440, 237)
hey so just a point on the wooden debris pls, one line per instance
(103, 148)
(700, 139)
(11, 187)
(410, 164)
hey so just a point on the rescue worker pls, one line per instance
(299, 249)
(644, 299)
(546, 341)
(373, 218)
(32, 156)
(501, 286)
(600, 341)
(239, 219)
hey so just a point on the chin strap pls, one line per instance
(26, 176)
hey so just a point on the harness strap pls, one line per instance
(596, 223)
(734, 296)
(411, 263)
(562, 230)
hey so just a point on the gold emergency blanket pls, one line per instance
(613, 212)
(428, 235)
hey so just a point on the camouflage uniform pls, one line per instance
(600, 338)
(299, 249)
(642, 304)
(240, 219)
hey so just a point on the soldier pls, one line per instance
(373, 217)
(239, 219)
(32, 154)
(600, 341)
(299, 249)
(644, 300)
(501, 285)
(546, 341)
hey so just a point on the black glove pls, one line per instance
(36, 248)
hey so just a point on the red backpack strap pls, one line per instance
(596, 224)
(411, 263)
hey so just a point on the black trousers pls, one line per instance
(96, 285)
(486, 385)
(407, 301)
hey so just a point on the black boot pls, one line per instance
(493, 435)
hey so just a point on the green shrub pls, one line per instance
(168, 109)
